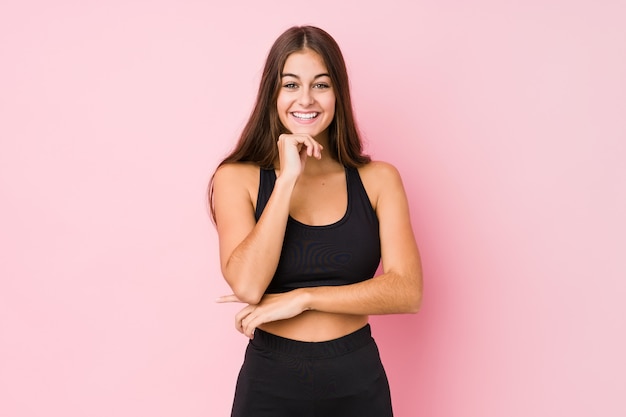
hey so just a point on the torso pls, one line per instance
(317, 201)
(316, 326)
(321, 199)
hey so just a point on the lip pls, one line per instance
(304, 117)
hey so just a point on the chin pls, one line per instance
(299, 130)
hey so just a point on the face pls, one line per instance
(306, 100)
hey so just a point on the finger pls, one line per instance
(310, 148)
(318, 153)
(249, 325)
(314, 147)
(303, 156)
(241, 316)
(305, 145)
(231, 298)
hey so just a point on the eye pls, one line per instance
(290, 86)
(321, 86)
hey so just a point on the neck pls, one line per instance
(326, 165)
(322, 139)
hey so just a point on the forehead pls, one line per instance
(305, 62)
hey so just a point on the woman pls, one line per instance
(304, 218)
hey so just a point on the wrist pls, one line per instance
(284, 181)
(306, 298)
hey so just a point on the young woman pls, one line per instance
(304, 218)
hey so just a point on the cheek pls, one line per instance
(330, 106)
(281, 107)
(280, 103)
(331, 101)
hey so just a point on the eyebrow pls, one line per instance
(288, 74)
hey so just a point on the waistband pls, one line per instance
(326, 349)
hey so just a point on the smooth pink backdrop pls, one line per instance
(506, 119)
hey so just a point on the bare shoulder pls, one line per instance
(239, 175)
(235, 185)
(234, 173)
(380, 170)
(379, 178)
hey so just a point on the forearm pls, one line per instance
(251, 265)
(389, 293)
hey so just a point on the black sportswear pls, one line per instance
(344, 252)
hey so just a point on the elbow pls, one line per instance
(415, 297)
(244, 286)
(415, 303)
(247, 294)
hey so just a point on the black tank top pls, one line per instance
(344, 252)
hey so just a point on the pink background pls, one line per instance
(506, 119)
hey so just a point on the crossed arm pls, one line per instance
(250, 250)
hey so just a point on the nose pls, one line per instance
(306, 97)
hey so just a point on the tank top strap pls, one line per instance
(267, 179)
(359, 199)
(356, 192)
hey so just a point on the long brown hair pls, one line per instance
(257, 143)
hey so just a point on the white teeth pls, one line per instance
(305, 115)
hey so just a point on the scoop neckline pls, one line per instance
(337, 223)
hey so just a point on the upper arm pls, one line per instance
(398, 247)
(234, 187)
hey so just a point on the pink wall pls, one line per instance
(506, 119)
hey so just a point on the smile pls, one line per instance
(305, 116)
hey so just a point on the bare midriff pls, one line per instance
(316, 326)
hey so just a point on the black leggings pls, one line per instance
(287, 378)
